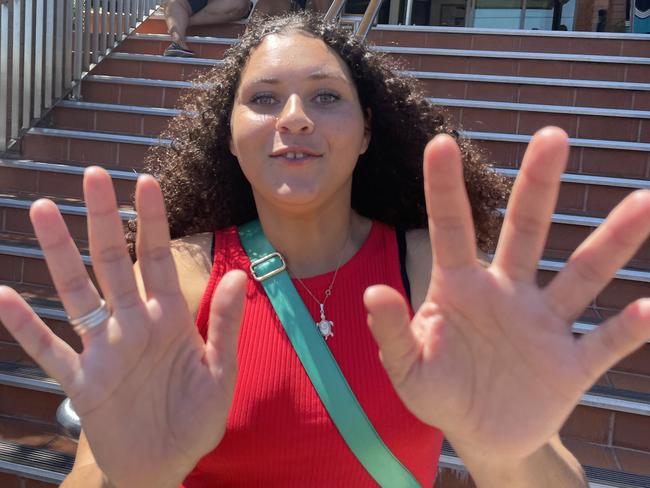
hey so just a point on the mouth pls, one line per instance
(295, 156)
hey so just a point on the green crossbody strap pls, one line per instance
(269, 268)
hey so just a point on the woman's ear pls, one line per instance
(367, 130)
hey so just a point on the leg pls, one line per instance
(220, 11)
(177, 16)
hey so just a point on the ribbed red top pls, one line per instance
(278, 432)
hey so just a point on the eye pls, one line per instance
(326, 97)
(263, 99)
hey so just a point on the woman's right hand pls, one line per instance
(153, 398)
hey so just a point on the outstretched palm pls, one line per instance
(152, 396)
(488, 346)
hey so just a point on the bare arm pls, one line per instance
(85, 472)
(192, 259)
(551, 465)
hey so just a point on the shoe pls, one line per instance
(178, 51)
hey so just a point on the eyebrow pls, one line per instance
(320, 75)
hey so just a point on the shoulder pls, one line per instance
(418, 264)
(193, 258)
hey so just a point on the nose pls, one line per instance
(293, 118)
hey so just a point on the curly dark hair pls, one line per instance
(204, 188)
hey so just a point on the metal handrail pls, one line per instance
(364, 26)
(368, 18)
(48, 46)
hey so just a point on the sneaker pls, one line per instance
(176, 50)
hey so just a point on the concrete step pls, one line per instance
(613, 44)
(567, 231)
(23, 267)
(15, 212)
(603, 413)
(485, 44)
(25, 176)
(33, 454)
(22, 261)
(118, 119)
(587, 43)
(580, 195)
(474, 115)
(587, 156)
(503, 63)
(438, 84)
(116, 150)
(524, 118)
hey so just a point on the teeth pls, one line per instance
(294, 155)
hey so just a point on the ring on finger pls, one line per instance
(91, 320)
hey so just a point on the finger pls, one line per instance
(531, 205)
(389, 322)
(597, 259)
(111, 261)
(226, 311)
(50, 352)
(450, 216)
(615, 339)
(76, 291)
(152, 247)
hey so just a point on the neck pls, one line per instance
(317, 241)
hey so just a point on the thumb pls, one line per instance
(224, 323)
(616, 338)
(389, 322)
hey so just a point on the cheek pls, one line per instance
(247, 131)
(350, 135)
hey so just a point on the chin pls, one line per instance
(297, 194)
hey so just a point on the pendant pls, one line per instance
(325, 326)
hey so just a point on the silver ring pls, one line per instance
(91, 320)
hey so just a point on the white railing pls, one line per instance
(48, 46)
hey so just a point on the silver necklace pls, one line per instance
(325, 326)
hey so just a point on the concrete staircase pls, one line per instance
(500, 87)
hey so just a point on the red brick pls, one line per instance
(588, 424)
(632, 431)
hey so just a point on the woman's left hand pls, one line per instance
(489, 358)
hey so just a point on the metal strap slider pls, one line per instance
(273, 271)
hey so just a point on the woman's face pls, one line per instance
(297, 127)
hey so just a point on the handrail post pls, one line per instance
(47, 47)
(27, 66)
(49, 53)
(78, 49)
(15, 71)
(58, 49)
(4, 70)
(38, 56)
(335, 9)
(368, 18)
(409, 12)
(69, 44)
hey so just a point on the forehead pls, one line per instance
(294, 55)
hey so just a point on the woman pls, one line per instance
(312, 124)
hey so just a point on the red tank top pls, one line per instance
(278, 433)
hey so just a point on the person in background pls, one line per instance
(181, 14)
